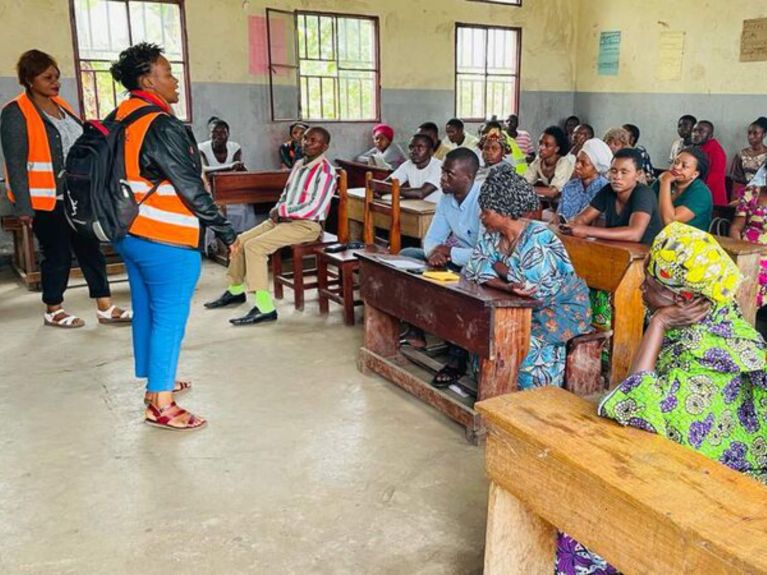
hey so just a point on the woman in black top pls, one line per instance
(39, 75)
(630, 208)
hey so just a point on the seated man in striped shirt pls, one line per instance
(296, 218)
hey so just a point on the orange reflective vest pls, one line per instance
(40, 176)
(163, 216)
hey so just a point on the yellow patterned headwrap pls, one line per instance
(690, 261)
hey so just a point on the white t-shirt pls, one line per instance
(409, 175)
(213, 164)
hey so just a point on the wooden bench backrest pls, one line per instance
(356, 172)
(602, 264)
(342, 190)
(248, 187)
(643, 502)
(391, 210)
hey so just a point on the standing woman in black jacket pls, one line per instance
(162, 248)
(37, 129)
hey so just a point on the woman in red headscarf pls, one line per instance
(385, 153)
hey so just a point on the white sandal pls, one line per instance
(106, 316)
(69, 321)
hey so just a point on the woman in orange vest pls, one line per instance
(162, 248)
(37, 128)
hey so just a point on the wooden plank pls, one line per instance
(356, 172)
(248, 187)
(499, 370)
(600, 263)
(517, 541)
(395, 373)
(747, 257)
(415, 215)
(641, 501)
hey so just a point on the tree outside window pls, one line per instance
(104, 28)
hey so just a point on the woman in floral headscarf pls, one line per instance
(526, 258)
(698, 377)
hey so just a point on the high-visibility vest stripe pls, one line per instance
(162, 216)
(40, 177)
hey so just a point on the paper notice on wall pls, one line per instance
(753, 40)
(609, 53)
(670, 54)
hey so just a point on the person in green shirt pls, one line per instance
(682, 193)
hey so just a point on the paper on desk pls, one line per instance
(442, 276)
(403, 264)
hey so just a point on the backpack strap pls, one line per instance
(138, 114)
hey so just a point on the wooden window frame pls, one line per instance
(184, 46)
(517, 76)
(377, 64)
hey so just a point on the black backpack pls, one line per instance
(98, 202)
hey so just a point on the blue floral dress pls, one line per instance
(540, 263)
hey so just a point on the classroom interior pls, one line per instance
(311, 464)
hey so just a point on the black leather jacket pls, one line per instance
(170, 152)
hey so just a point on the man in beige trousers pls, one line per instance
(296, 218)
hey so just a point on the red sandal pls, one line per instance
(163, 416)
(181, 387)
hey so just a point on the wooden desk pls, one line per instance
(415, 215)
(644, 503)
(24, 259)
(616, 267)
(490, 323)
(355, 172)
(747, 257)
(248, 187)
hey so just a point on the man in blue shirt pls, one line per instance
(455, 228)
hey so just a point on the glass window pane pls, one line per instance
(159, 23)
(102, 29)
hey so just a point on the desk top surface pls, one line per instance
(739, 247)
(465, 288)
(420, 207)
(634, 250)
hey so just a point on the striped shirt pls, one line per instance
(309, 190)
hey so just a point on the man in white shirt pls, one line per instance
(419, 176)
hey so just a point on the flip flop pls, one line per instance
(447, 376)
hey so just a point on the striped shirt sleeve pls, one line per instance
(308, 192)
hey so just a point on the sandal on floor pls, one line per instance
(180, 387)
(447, 376)
(107, 316)
(66, 320)
(162, 417)
(414, 338)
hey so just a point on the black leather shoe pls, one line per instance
(253, 317)
(225, 300)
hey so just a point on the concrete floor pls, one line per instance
(306, 465)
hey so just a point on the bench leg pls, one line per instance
(518, 542)
(381, 332)
(347, 289)
(298, 280)
(276, 273)
(322, 284)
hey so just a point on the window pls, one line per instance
(486, 71)
(104, 28)
(323, 66)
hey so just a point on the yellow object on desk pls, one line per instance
(441, 276)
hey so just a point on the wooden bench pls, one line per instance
(248, 187)
(747, 257)
(24, 260)
(415, 215)
(618, 268)
(355, 172)
(644, 503)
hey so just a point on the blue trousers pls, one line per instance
(162, 280)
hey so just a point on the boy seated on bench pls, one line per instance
(419, 176)
(296, 218)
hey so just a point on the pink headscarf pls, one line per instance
(384, 129)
